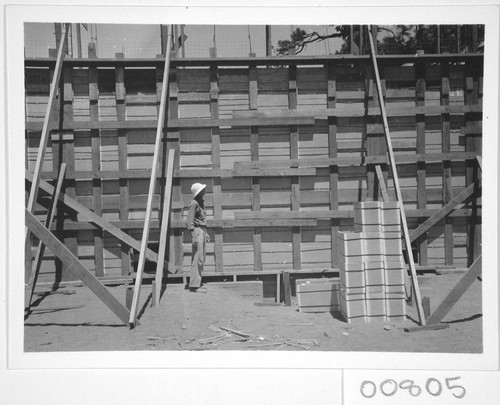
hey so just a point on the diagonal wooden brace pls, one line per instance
(75, 267)
(96, 219)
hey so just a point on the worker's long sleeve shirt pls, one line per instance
(196, 215)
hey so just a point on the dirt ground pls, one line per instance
(187, 321)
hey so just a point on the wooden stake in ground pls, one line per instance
(399, 198)
(152, 183)
(164, 225)
(41, 247)
(44, 137)
(74, 266)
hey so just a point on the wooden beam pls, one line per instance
(443, 212)
(46, 122)
(381, 182)
(41, 247)
(395, 178)
(152, 185)
(94, 218)
(437, 326)
(354, 161)
(74, 266)
(266, 61)
(454, 295)
(164, 224)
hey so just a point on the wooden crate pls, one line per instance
(318, 295)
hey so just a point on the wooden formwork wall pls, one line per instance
(268, 210)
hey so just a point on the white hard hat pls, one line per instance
(196, 188)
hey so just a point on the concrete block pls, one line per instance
(352, 275)
(352, 309)
(392, 245)
(350, 247)
(375, 291)
(353, 291)
(376, 306)
(395, 307)
(374, 273)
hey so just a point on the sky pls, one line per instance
(144, 40)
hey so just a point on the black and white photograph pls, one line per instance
(242, 193)
(253, 187)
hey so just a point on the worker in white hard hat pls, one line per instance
(196, 223)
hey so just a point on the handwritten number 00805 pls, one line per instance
(433, 386)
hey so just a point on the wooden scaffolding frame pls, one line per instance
(294, 168)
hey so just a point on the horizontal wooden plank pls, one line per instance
(474, 59)
(392, 111)
(177, 123)
(337, 214)
(356, 161)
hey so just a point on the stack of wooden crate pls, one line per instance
(372, 265)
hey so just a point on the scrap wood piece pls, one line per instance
(236, 332)
(454, 295)
(54, 309)
(381, 182)
(164, 225)
(94, 218)
(35, 270)
(152, 185)
(45, 129)
(52, 292)
(446, 209)
(395, 179)
(74, 266)
(435, 326)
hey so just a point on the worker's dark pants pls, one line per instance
(198, 256)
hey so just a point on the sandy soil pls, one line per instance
(187, 321)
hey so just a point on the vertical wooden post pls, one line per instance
(334, 169)
(294, 154)
(120, 92)
(164, 227)
(269, 50)
(446, 147)
(399, 198)
(420, 88)
(152, 186)
(473, 143)
(176, 253)
(68, 156)
(95, 140)
(375, 142)
(217, 186)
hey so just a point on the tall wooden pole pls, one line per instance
(79, 40)
(152, 183)
(395, 178)
(269, 49)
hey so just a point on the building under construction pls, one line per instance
(287, 145)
